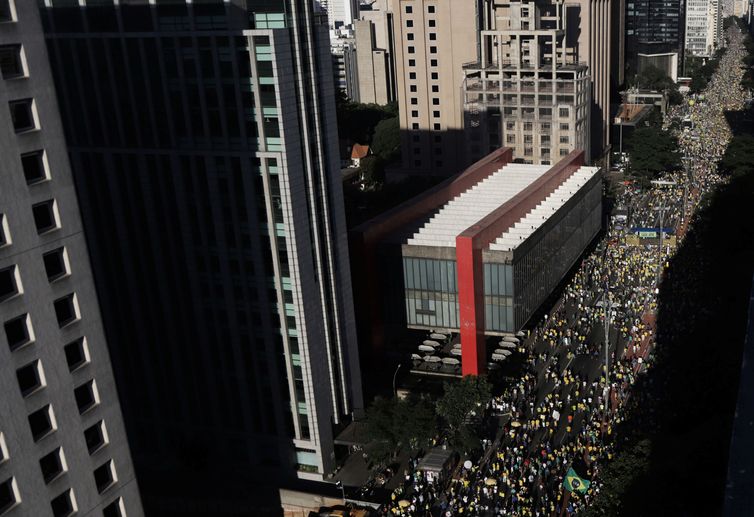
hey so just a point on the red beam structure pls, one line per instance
(469, 246)
(365, 238)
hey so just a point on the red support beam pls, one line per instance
(469, 246)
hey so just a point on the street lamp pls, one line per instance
(339, 484)
(395, 376)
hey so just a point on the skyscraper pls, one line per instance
(703, 20)
(204, 147)
(63, 447)
(433, 39)
(653, 27)
(374, 51)
(528, 91)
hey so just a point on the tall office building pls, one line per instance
(339, 12)
(203, 142)
(433, 40)
(374, 52)
(653, 28)
(702, 34)
(63, 447)
(528, 91)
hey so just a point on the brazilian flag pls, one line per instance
(574, 483)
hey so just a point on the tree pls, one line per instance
(386, 142)
(655, 78)
(652, 152)
(739, 156)
(372, 172)
(395, 423)
(470, 395)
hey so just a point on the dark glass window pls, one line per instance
(51, 465)
(62, 506)
(103, 476)
(8, 287)
(65, 310)
(44, 216)
(22, 116)
(17, 332)
(95, 437)
(28, 378)
(40, 423)
(75, 354)
(54, 262)
(34, 168)
(85, 398)
(10, 61)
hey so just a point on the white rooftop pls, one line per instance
(475, 203)
(528, 224)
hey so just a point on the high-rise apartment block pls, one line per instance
(433, 40)
(703, 27)
(203, 141)
(374, 52)
(63, 447)
(528, 92)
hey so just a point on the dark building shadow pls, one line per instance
(679, 423)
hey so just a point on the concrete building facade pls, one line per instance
(63, 445)
(703, 27)
(374, 51)
(653, 27)
(208, 171)
(527, 92)
(433, 40)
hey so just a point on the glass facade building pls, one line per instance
(515, 282)
(203, 142)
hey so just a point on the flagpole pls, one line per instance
(566, 498)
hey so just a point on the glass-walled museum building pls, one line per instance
(491, 244)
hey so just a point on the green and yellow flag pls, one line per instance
(574, 483)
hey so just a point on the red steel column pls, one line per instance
(471, 305)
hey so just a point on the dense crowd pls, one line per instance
(561, 411)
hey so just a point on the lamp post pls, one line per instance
(339, 484)
(395, 376)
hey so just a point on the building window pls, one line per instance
(4, 233)
(436, 114)
(527, 139)
(528, 151)
(96, 437)
(510, 139)
(414, 101)
(35, 167)
(545, 151)
(527, 126)
(564, 152)
(8, 495)
(432, 23)
(432, 62)
(22, 115)
(114, 509)
(438, 139)
(417, 163)
(436, 126)
(414, 113)
(433, 50)
(415, 138)
(64, 504)
(104, 476)
(56, 264)
(86, 396)
(545, 139)
(435, 88)
(30, 378)
(563, 112)
(564, 139)
(409, 9)
(432, 36)
(415, 125)
(435, 76)
(45, 216)
(411, 50)
(412, 76)
(510, 126)
(412, 88)
(431, 9)
(409, 23)
(565, 127)
(76, 354)
(11, 60)
(412, 62)
(435, 101)
(52, 465)
(66, 310)
(19, 332)
(10, 283)
(410, 36)
(42, 423)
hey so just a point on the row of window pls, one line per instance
(46, 219)
(528, 139)
(63, 504)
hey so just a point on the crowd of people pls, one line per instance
(561, 411)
